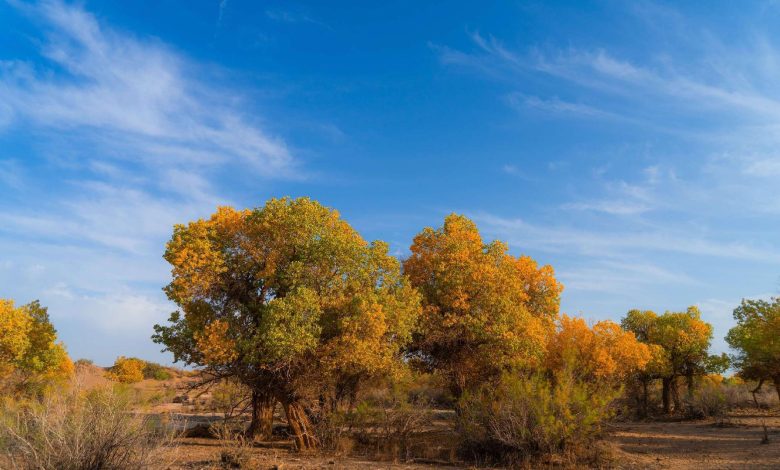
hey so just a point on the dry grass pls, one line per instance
(79, 429)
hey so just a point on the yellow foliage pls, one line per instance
(484, 309)
(127, 370)
(214, 343)
(15, 325)
(603, 352)
(30, 358)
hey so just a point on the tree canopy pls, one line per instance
(30, 355)
(756, 337)
(484, 309)
(284, 296)
(684, 342)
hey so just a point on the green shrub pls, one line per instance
(155, 371)
(525, 417)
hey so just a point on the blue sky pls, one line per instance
(632, 145)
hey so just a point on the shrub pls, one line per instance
(521, 418)
(83, 363)
(155, 371)
(708, 401)
(76, 430)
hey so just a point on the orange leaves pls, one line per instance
(603, 352)
(28, 347)
(482, 305)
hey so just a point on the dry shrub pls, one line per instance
(708, 401)
(235, 447)
(79, 429)
(521, 419)
(384, 424)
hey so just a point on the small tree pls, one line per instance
(127, 370)
(602, 353)
(684, 341)
(284, 298)
(757, 341)
(485, 311)
(30, 356)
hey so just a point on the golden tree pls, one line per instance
(602, 353)
(281, 296)
(485, 311)
(30, 356)
(127, 370)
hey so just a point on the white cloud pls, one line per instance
(614, 244)
(141, 90)
(130, 134)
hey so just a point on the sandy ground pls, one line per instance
(708, 444)
(202, 454)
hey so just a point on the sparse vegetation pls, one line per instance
(77, 429)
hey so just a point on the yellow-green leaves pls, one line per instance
(28, 347)
(288, 285)
(757, 339)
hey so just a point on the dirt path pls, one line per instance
(734, 444)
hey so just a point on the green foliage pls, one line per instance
(155, 371)
(756, 337)
(523, 417)
(31, 359)
(284, 297)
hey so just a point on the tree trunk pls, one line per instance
(756, 390)
(776, 380)
(300, 425)
(644, 398)
(676, 396)
(689, 380)
(262, 423)
(666, 394)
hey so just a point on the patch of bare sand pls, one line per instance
(204, 454)
(735, 443)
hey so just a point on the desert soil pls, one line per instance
(733, 443)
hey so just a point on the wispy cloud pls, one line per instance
(140, 90)
(130, 137)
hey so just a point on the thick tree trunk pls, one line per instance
(300, 425)
(776, 380)
(689, 380)
(676, 396)
(262, 423)
(666, 394)
(644, 397)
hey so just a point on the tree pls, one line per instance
(602, 353)
(283, 297)
(485, 311)
(15, 325)
(127, 370)
(757, 340)
(30, 356)
(684, 341)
